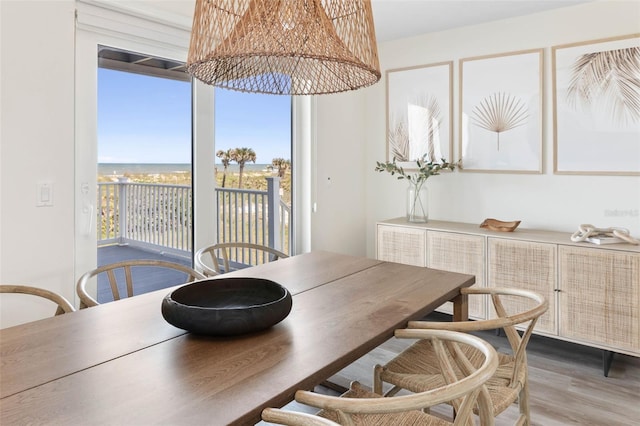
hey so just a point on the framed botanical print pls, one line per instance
(501, 112)
(596, 88)
(419, 113)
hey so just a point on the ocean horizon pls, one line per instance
(118, 169)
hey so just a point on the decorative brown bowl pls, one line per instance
(227, 306)
(498, 225)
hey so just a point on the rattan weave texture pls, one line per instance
(402, 245)
(528, 266)
(284, 46)
(597, 302)
(402, 372)
(408, 418)
(459, 253)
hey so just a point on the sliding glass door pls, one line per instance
(148, 173)
(144, 169)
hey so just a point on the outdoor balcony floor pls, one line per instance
(145, 279)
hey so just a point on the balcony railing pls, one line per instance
(243, 215)
(160, 216)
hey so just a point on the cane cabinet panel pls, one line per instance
(599, 297)
(402, 245)
(528, 266)
(459, 253)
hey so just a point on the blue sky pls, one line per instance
(144, 119)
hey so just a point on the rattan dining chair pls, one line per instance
(63, 304)
(119, 271)
(359, 406)
(409, 369)
(233, 256)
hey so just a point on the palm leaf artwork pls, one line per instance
(421, 128)
(609, 80)
(499, 112)
(424, 125)
(398, 140)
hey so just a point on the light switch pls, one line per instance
(44, 194)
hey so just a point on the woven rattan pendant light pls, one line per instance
(295, 47)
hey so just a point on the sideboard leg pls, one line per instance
(607, 358)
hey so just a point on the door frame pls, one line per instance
(97, 26)
(99, 23)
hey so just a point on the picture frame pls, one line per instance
(420, 113)
(596, 104)
(500, 121)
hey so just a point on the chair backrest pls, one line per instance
(526, 319)
(467, 391)
(233, 255)
(126, 267)
(63, 304)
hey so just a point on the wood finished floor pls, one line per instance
(567, 384)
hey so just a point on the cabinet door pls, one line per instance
(600, 296)
(524, 265)
(462, 253)
(402, 245)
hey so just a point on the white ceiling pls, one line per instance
(396, 19)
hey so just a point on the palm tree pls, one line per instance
(225, 157)
(282, 165)
(241, 156)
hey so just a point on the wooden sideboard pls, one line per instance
(593, 290)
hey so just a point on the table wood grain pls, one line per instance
(193, 379)
(41, 351)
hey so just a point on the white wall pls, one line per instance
(547, 201)
(338, 223)
(37, 142)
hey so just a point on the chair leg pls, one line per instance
(378, 384)
(523, 404)
(607, 359)
(377, 381)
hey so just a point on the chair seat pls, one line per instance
(417, 369)
(360, 406)
(406, 418)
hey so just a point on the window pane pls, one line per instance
(258, 127)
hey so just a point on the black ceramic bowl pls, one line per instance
(227, 306)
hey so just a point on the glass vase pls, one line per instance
(417, 203)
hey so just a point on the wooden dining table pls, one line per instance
(121, 363)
